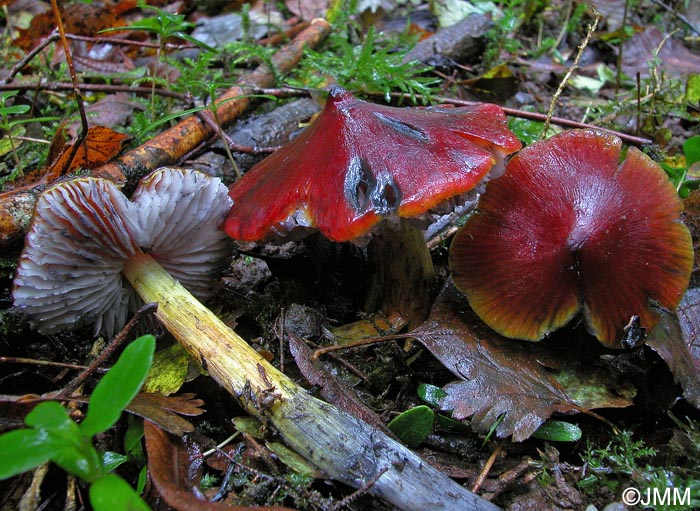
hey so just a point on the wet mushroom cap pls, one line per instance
(360, 162)
(570, 227)
(84, 231)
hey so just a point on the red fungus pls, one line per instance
(571, 227)
(359, 162)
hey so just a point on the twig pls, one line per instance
(346, 501)
(74, 80)
(487, 467)
(118, 340)
(28, 58)
(533, 116)
(94, 87)
(574, 66)
(49, 363)
(677, 15)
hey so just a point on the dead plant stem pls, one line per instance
(574, 66)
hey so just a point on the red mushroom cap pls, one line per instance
(570, 226)
(359, 162)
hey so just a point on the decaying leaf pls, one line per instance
(668, 341)
(332, 389)
(166, 410)
(170, 467)
(500, 377)
(172, 367)
(677, 338)
(80, 19)
(100, 145)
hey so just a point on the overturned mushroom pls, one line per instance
(79, 223)
(359, 163)
(75, 279)
(571, 227)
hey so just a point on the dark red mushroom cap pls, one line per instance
(571, 227)
(359, 162)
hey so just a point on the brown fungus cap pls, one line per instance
(569, 227)
(361, 162)
(84, 231)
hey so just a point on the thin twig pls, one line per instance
(74, 80)
(487, 467)
(28, 58)
(94, 87)
(37, 362)
(574, 66)
(118, 340)
(533, 116)
(677, 15)
(357, 493)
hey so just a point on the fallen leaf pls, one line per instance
(679, 348)
(674, 58)
(172, 367)
(332, 389)
(164, 410)
(111, 111)
(101, 144)
(499, 376)
(80, 19)
(170, 467)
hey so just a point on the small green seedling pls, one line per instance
(52, 435)
(687, 177)
(413, 426)
(11, 125)
(558, 431)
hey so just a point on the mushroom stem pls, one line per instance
(403, 272)
(344, 447)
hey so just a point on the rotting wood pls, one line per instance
(172, 144)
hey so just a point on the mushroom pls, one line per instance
(84, 233)
(75, 279)
(359, 163)
(570, 227)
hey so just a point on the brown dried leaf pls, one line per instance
(498, 376)
(679, 345)
(164, 410)
(675, 59)
(332, 389)
(100, 145)
(80, 19)
(170, 467)
(113, 110)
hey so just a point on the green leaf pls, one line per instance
(112, 493)
(691, 149)
(82, 461)
(132, 439)
(72, 450)
(558, 431)
(111, 460)
(51, 416)
(413, 426)
(119, 386)
(431, 394)
(25, 449)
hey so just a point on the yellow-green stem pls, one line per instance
(344, 447)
